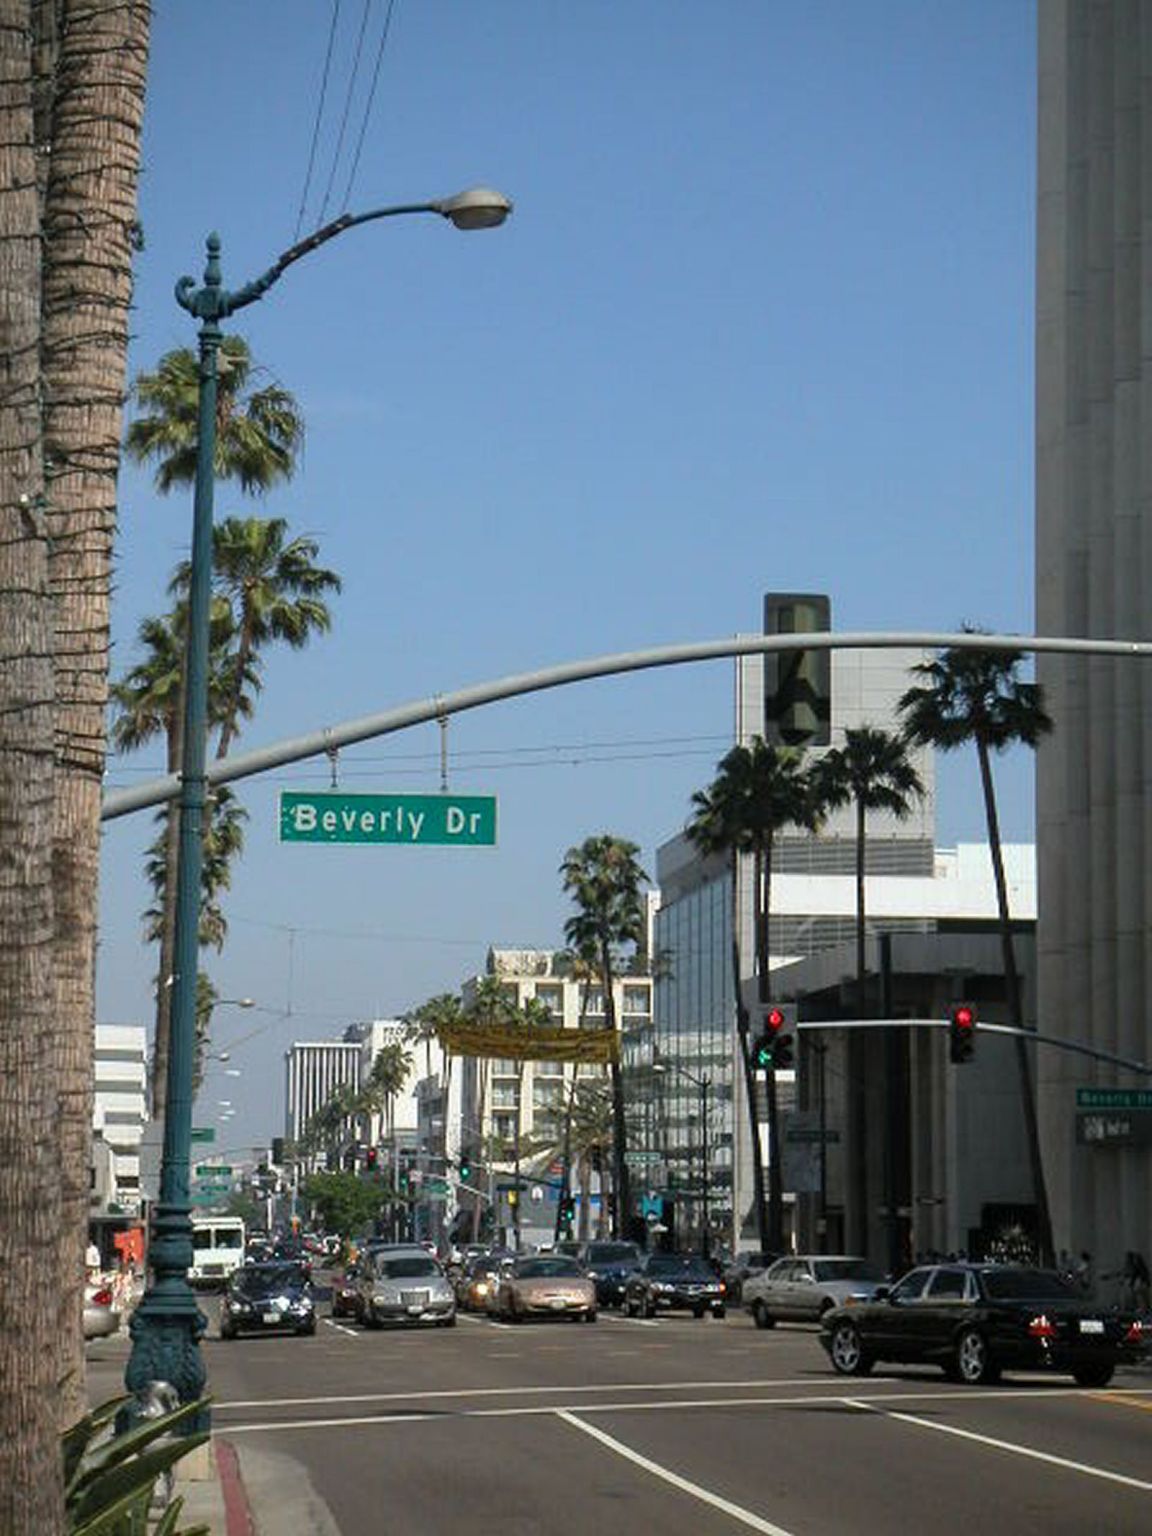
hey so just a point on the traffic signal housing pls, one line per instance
(372, 1158)
(961, 1033)
(774, 1045)
(797, 684)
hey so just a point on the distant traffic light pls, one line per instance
(773, 1048)
(961, 1033)
(372, 1157)
(465, 1170)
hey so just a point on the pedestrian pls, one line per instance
(1136, 1281)
(1085, 1278)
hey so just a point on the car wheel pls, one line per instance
(629, 1307)
(589, 1317)
(448, 1322)
(761, 1315)
(369, 1318)
(847, 1352)
(719, 1312)
(647, 1308)
(697, 1313)
(228, 1334)
(973, 1362)
(1093, 1375)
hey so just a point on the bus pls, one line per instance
(217, 1249)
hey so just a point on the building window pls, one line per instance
(553, 1000)
(637, 1000)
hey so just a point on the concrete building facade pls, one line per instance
(1094, 578)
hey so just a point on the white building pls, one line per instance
(118, 1116)
(313, 1070)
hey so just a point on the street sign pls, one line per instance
(213, 1171)
(327, 816)
(203, 1188)
(1114, 1127)
(1114, 1098)
(642, 1159)
(203, 1133)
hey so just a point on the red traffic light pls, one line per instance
(775, 1020)
(964, 1017)
(961, 1033)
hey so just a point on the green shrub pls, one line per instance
(109, 1479)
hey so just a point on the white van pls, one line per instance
(217, 1249)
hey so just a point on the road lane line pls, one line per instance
(1001, 1445)
(736, 1511)
(340, 1328)
(1122, 1400)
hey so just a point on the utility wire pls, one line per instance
(368, 104)
(319, 117)
(346, 113)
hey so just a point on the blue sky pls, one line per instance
(762, 319)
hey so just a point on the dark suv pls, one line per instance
(609, 1264)
(680, 1281)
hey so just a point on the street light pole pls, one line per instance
(703, 1086)
(167, 1325)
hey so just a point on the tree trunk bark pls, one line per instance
(89, 234)
(31, 1490)
(1016, 1013)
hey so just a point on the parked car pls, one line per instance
(742, 1266)
(975, 1321)
(801, 1288)
(405, 1286)
(667, 1281)
(262, 1298)
(100, 1314)
(345, 1291)
(544, 1285)
(609, 1264)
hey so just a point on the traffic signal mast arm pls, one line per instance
(986, 1028)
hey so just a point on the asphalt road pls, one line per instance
(689, 1428)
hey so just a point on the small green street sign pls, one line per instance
(642, 1159)
(435, 1186)
(203, 1133)
(213, 1190)
(1114, 1098)
(212, 1171)
(327, 816)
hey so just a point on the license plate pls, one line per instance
(558, 1303)
(272, 1317)
(1091, 1325)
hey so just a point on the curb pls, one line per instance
(237, 1515)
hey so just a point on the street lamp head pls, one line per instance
(476, 208)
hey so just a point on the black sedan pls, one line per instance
(680, 1281)
(976, 1320)
(262, 1298)
(609, 1264)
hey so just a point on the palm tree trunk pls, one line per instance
(97, 105)
(749, 1071)
(763, 878)
(622, 1205)
(31, 1497)
(857, 1063)
(1016, 1012)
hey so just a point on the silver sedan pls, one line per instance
(802, 1287)
(406, 1288)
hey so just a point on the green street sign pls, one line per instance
(212, 1190)
(203, 1133)
(212, 1171)
(327, 816)
(1114, 1098)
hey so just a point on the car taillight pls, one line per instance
(1042, 1327)
(723, 1287)
(1135, 1334)
(102, 1298)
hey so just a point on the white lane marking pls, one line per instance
(340, 1328)
(1001, 1445)
(736, 1511)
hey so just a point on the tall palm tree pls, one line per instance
(604, 878)
(871, 772)
(259, 432)
(759, 790)
(274, 591)
(148, 704)
(971, 697)
(386, 1078)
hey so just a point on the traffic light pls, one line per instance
(278, 1151)
(961, 1033)
(372, 1158)
(773, 1048)
(465, 1170)
(797, 684)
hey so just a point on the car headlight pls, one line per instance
(662, 1285)
(236, 1305)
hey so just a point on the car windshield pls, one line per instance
(409, 1267)
(548, 1269)
(612, 1253)
(267, 1279)
(847, 1269)
(682, 1265)
(1027, 1285)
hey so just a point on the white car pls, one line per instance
(800, 1288)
